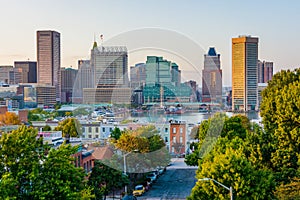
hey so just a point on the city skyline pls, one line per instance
(196, 20)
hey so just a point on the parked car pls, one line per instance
(161, 170)
(152, 176)
(139, 190)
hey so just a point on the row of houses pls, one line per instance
(174, 133)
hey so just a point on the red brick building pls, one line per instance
(177, 137)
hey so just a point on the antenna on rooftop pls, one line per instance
(101, 37)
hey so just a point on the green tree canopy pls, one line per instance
(69, 127)
(31, 170)
(280, 110)
(105, 179)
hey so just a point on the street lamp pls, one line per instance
(228, 188)
(124, 157)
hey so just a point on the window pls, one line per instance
(181, 130)
(180, 139)
(110, 129)
(174, 130)
(83, 129)
(166, 139)
(173, 149)
(90, 129)
(174, 139)
(103, 129)
(85, 167)
(78, 165)
(97, 136)
(166, 130)
(97, 129)
(90, 136)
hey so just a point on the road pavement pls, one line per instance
(176, 183)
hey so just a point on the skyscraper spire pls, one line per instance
(95, 45)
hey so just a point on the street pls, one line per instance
(176, 183)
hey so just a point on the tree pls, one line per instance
(290, 191)
(104, 179)
(19, 162)
(59, 173)
(236, 158)
(194, 132)
(46, 128)
(116, 133)
(70, 127)
(151, 150)
(280, 110)
(232, 168)
(9, 118)
(31, 170)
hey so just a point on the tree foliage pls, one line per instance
(104, 179)
(280, 110)
(115, 134)
(69, 127)
(145, 149)
(258, 158)
(31, 170)
(230, 160)
(9, 118)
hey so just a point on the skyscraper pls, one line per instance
(163, 82)
(265, 71)
(27, 70)
(138, 76)
(110, 70)
(244, 73)
(110, 65)
(158, 71)
(212, 77)
(48, 60)
(68, 77)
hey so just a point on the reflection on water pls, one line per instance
(192, 118)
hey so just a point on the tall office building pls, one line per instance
(48, 60)
(25, 72)
(212, 77)
(68, 76)
(110, 65)
(244, 73)
(175, 74)
(110, 70)
(138, 76)
(158, 71)
(5, 74)
(265, 71)
(163, 82)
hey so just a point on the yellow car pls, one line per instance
(139, 190)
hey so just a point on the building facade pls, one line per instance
(84, 79)
(110, 65)
(107, 95)
(244, 73)
(160, 74)
(48, 60)
(68, 77)
(25, 72)
(177, 137)
(138, 76)
(45, 95)
(212, 77)
(265, 71)
(5, 74)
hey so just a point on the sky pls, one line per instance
(181, 31)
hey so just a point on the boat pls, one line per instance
(174, 110)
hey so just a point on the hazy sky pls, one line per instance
(189, 23)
